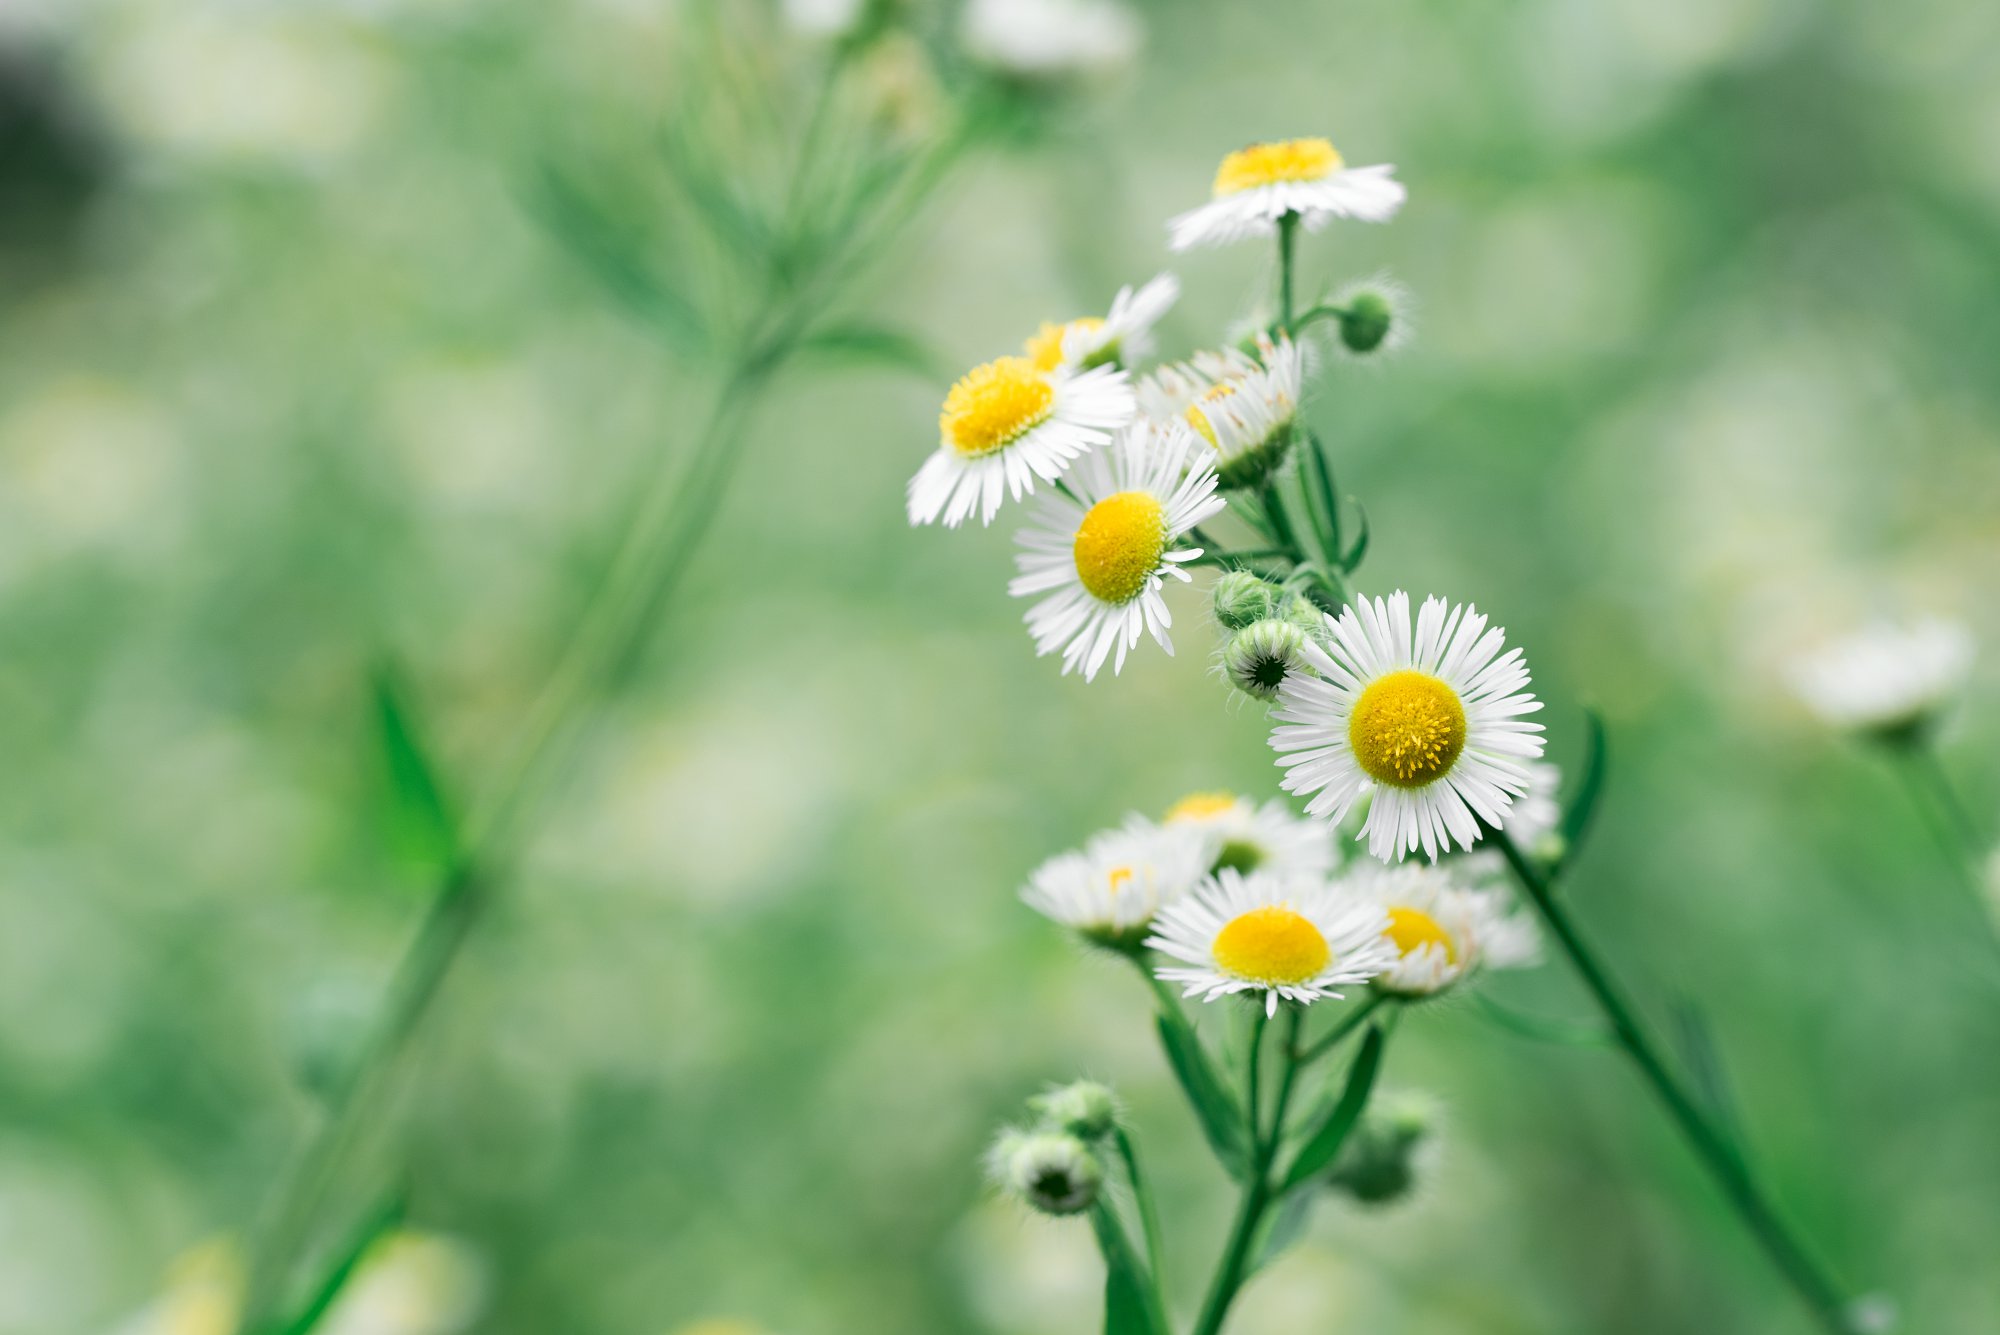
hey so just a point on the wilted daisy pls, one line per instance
(1042, 40)
(1441, 931)
(1240, 834)
(1429, 726)
(1102, 550)
(1243, 406)
(1256, 186)
(1123, 337)
(1004, 425)
(1287, 938)
(1109, 891)
(1888, 680)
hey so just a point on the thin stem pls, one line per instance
(1348, 1023)
(1931, 783)
(1149, 1216)
(1716, 1151)
(1251, 1080)
(1288, 238)
(1257, 1192)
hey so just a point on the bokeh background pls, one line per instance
(295, 377)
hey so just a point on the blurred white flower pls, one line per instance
(1239, 833)
(1256, 186)
(1051, 39)
(1441, 930)
(1109, 892)
(1124, 336)
(824, 19)
(1887, 679)
(1243, 406)
(1292, 940)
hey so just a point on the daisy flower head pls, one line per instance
(1440, 930)
(1004, 426)
(1108, 892)
(1427, 725)
(1290, 939)
(1241, 835)
(1258, 185)
(1889, 681)
(1122, 337)
(1101, 550)
(1244, 406)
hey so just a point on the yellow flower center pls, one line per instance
(1045, 347)
(1199, 419)
(1412, 929)
(1407, 729)
(1271, 945)
(1118, 545)
(1118, 879)
(1200, 806)
(994, 405)
(1268, 164)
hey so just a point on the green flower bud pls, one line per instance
(1085, 1109)
(1381, 1163)
(1052, 1171)
(1374, 317)
(1241, 598)
(1259, 657)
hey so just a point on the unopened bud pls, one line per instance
(1052, 1171)
(1084, 1108)
(1259, 657)
(1380, 1164)
(1241, 598)
(1374, 317)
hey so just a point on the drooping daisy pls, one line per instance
(1256, 186)
(1430, 727)
(1243, 406)
(1239, 834)
(1441, 930)
(1006, 424)
(1289, 939)
(1109, 891)
(1887, 680)
(1123, 337)
(1102, 554)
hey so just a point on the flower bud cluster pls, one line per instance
(1054, 1167)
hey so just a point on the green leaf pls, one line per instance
(1589, 786)
(1285, 1226)
(872, 345)
(1696, 1041)
(340, 1269)
(1569, 1033)
(612, 255)
(1128, 1295)
(421, 826)
(1359, 547)
(1220, 1115)
(1318, 1151)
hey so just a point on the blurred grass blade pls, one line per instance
(1128, 1294)
(872, 345)
(1318, 1152)
(1696, 1041)
(1287, 1225)
(1569, 1033)
(1220, 1115)
(422, 829)
(340, 1270)
(1582, 806)
(611, 254)
(1352, 557)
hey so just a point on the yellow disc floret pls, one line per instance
(1045, 346)
(1412, 929)
(1199, 419)
(994, 405)
(1119, 544)
(1200, 806)
(1271, 945)
(1407, 729)
(1268, 164)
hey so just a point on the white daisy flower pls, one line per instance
(1428, 727)
(1109, 891)
(1441, 931)
(1258, 185)
(1289, 939)
(1239, 834)
(1886, 679)
(1004, 425)
(1102, 548)
(1051, 39)
(1123, 337)
(1243, 406)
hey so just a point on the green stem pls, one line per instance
(1257, 1192)
(1149, 1216)
(1931, 783)
(1348, 1023)
(1288, 239)
(1717, 1153)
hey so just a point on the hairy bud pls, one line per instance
(1084, 1108)
(1242, 598)
(1259, 657)
(1381, 1162)
(1053, 1171)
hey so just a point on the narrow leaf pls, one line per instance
(1287, 1224)
(612, 255)
(1128, 1295)
(1220, 1115)
(319, 1300)
(1696, 1041)
(421, 825)
(1318, 1151)
(872, 345)
(1589, 786)
(1359, 548)
(1569, 1033)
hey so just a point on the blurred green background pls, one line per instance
(295, 377)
